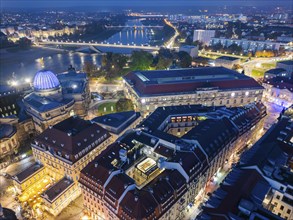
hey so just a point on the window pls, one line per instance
(282, 207)
(288, 211)
(277, 197)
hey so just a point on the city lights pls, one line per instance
(116, 110)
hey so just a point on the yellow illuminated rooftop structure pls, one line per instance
(147, 165)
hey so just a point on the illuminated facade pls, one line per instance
(62, 151)
(9, 141)
(210, 86)
(278, 91)
(56, 98)
(149, 173)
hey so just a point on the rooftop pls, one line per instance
(287, 62)
(44, 104)
(280, 83)
(276, 71)
(57, 189)
(26, 173)
(45, 80)
(72, 82)
(118, 121)
(71, 137)
(240, 190)
(159, 168)
(6, 131)
(159, 82)
(272, 151)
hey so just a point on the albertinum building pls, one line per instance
(56, 97)
(210, 86)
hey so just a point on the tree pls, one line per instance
(89, 68)
(141, 60)
(236, 67)
(264, 53)
(184, 59)
(24, 42)
(124, 105)
(163, 63)
(234, 48)
(199, 44)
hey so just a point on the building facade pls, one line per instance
(203, 36)
(57, 98)
(150, 173)
(247, 45)
(211, 86)
(278, 91)
(63, 150)
(9, 142)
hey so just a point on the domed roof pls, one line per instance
(45, 80)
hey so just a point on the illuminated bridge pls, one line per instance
(135, 26)
(96, 44)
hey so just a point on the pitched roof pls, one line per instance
(72, 136)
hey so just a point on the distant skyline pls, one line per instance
(21, 4)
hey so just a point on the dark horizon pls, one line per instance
(104, 5)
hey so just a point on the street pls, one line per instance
(7, 193)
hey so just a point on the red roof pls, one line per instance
(150, 88)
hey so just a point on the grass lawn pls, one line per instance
(269, 65)
(257, 73)
(106, 108)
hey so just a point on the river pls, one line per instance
(25, 63)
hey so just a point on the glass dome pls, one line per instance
(45, 80)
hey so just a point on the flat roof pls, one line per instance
(276, 71)
(57, 189)
(115, 119)
(189, 80)
(287, 62)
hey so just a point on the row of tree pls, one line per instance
(116, 65)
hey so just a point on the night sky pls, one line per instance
(137, 3)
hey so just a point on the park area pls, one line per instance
(109, 107)
(259, 70)
(106, 108)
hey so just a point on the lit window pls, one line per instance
(233, 94)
